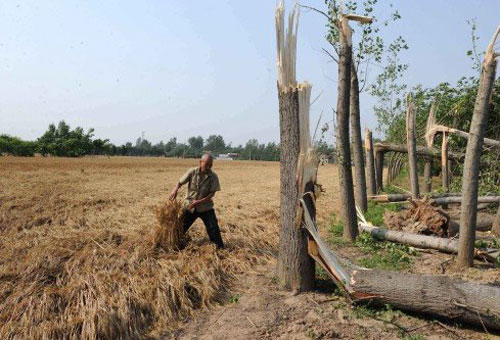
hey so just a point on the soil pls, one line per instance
(261, 309)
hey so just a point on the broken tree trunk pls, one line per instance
(495, 229)
(444, 163)
(412, 146)
(430, 143)
(459, 199)
(370, 163)
(357, 142)
(440, 296)
(470, 181)
(347, 205)
(420, 151)
(295, 268)
(379, 163)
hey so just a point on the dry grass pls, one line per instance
(169, 232)
(76, 255)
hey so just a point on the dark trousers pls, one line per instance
(210, 221)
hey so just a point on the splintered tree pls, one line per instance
(470, 180)
(295, 266)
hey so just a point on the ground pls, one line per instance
(43, 197)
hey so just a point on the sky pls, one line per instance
(180, 68)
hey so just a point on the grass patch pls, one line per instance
(384, 255)
(336, 231)
(375, 212)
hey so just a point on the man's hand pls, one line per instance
(193, 204)
(173, 194)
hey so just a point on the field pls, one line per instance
(77, 259)
(76, 251)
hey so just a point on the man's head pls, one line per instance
(206, 162)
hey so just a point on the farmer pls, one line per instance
(202, 185)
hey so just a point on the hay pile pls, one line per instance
(95, 283)
(169, 232)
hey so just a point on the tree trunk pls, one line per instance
(433, 295)
(428, 175)
(444, 163)
(379, 160)
(370, 163)
(441, 296)
(421, 150)
(454, 199)
(357, 142)
(470, 180)
(295, 268)
(348, 211)
(412, 146)
(495, 229)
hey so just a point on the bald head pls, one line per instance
(206, 162)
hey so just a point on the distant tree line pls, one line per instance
(62, 141)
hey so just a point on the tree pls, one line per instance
(215, 143)
(470, 177)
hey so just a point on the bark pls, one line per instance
(405, 197)
(412, 146)
(470, 181)
(348, 212)
(454, 199)
(420, 151)
(357, 142)
(444, 163)
(379, 162)
(440, 296)
(294, 267)
(370, 163)
(495, 229)
(428, 175)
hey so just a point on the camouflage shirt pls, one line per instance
(200, 185)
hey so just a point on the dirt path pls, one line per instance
(261, 310)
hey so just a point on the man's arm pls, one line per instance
(203, 200)
(184, 179)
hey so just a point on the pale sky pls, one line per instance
(178, 68)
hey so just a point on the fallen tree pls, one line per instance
(404, 197)
(421, 150)
(441, 296)
(454, 199)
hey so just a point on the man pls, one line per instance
(202, 185)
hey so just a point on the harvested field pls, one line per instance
(77, 254)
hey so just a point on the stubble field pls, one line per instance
(76, 254)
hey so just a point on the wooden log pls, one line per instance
(411, 142)
(379, 163)
(404, 197)
(441, 296)
(455, 199)
(421, 150)
(370, 163)
(495, 229)
(420, 241)
(430, 142)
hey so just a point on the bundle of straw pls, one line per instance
(169, 233)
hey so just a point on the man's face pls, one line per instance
(206, 164)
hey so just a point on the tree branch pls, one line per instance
(316, 10)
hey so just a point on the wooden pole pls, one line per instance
(370, 163)
(470, 180)
(412, 146)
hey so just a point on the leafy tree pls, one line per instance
(215, 143)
